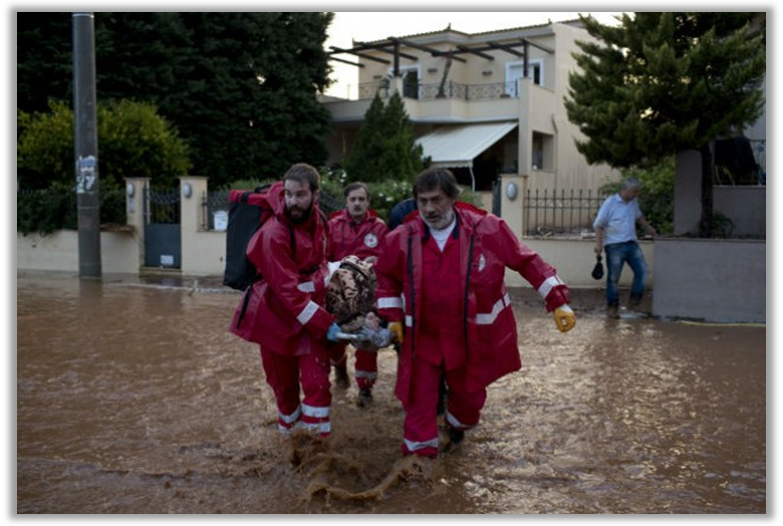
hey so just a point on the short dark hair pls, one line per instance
(350, 187)
(436, 178)
(304, 173)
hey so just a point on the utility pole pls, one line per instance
(86, 145)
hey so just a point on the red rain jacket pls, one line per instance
(346, 237)
(284, 310)
(489, 331)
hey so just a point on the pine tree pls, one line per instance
(240, 88)
(662, 83)
(385, 148)
(44, 58)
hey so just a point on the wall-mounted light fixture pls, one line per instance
(130, 189)
(187, 190)
(511, 190)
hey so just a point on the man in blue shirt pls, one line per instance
(615, 232)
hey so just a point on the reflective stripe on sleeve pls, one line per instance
(307, 286)
(548, 284)
(307, 313)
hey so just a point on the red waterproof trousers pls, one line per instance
(284, 374)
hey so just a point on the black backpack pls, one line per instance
(247, 211)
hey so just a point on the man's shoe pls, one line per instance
(635, 301)
(341, 376)
(365, 398)
(455, 436)
(613, 312)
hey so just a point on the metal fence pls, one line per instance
(328, 203)
(448, 90)
(561, 213)
(759, 147)
(56, 208)
(214, 204)
(214, 207)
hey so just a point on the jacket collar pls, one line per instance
(425, 232)
(343, 214)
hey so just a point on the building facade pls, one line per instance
(487, 105)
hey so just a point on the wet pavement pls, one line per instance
(132, 397)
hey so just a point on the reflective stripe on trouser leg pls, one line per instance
(366, 368)
(464, 407)
(316, 419)
(314, 368)
(285, 423)
(337, 354)
(421, 419)
(456, 424)
(282, 375)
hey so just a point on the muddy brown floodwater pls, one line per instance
(133, 398)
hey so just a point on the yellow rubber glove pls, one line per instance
(564, 318)
(396, 329)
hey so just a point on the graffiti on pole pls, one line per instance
(85, 174)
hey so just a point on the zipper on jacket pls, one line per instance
(467, 297)
(413, 293)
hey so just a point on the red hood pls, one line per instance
(276, 198)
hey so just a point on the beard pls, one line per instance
(298, 216)
(439, 221)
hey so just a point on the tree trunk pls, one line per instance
(705, 225)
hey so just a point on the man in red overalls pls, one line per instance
(284, 311)
(448, 263)
(357, 230)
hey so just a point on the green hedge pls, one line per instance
(55, 208)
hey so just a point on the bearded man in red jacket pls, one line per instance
(441, 286)
(284, 311)
(356, 230)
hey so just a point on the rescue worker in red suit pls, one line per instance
(357, 230)
(284, 311)
(448, 263)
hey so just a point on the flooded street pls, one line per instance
(133, 398)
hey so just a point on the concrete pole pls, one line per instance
(86, 145)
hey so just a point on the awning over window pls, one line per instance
(457, 146)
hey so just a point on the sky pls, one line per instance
(369, 26)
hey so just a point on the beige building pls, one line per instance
(484, 105)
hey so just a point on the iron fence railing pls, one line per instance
(56, 208)
(467, 92)
(368, 90)
(759, 147)
(561, 213)
(447, 90)
(214, 204)
(328, 203)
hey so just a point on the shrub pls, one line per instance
(133, 141)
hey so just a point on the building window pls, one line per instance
(516, 70)
(410, 80)
(543, 152)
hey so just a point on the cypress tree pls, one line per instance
(662, 83)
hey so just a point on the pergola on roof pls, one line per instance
(392, 45)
